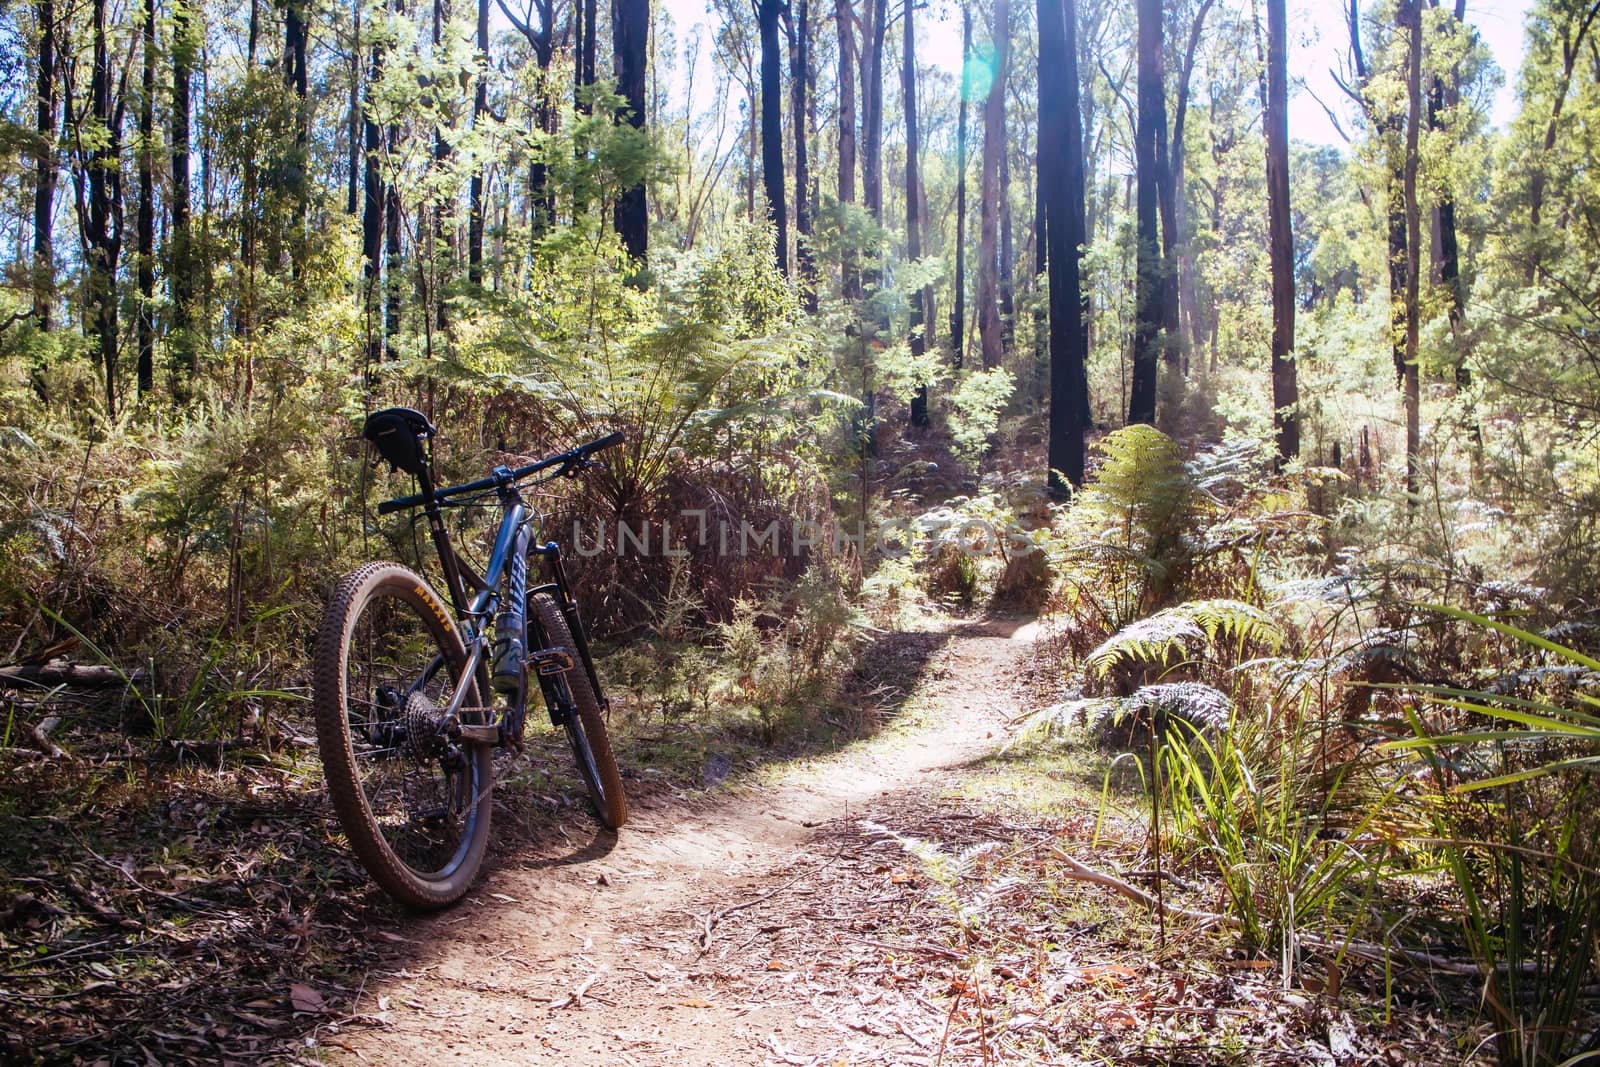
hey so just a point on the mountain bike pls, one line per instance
(411, 697)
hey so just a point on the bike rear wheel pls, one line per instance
(574, 702)
(414, 803)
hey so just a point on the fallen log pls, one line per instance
(85, 675)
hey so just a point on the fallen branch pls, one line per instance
(86, 675)
(1084, 873)
(710, 919)
(575, 997)
(41, 737)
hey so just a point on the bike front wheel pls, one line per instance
(577, 708)
(414, 803)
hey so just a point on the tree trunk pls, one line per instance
(799, 82)
(436, 266)
(372, 218)
(958, 310)
(767, 13)
(1007, 280)
(1180, 268)
(103, 228)
(844, 17)
(994, 134)
(908, 85)
(873, 31)
(44, 182)
(1061, 176)
(1411, 19)
(393, 254)
(1446, 249)
(1148, 314)
(1280, 239)
(295, 76)
(480, 113)
(181, 263)
(586, 59)
(147, 207)
(352, 202)
(630, 42)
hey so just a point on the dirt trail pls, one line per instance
(750, 929)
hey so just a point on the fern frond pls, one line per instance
(1149, 640)
(1057, 719)
(1234, 619)
(1173, 632)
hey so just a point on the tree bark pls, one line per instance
(146, 224)
(1061, 177)
(296, 77)
(1180, 267)
(480, 114)
(1007, 279)
(994, 133)
(1411, 18)
(908, 87)
(352, 203)
(844, 17)
(630, 42)
(873, 32)
(436, 266)
(44, 183)
(181, 266)
(958, 310)
(103, 222)
(1280, 241)
(799, 82)
(372, 227)
(767, 14)
(1149, 134)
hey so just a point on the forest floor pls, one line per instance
(899, 900)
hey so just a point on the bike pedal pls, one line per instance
(548, 661)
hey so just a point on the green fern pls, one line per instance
(1177, 631)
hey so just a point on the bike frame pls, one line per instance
(508, 565)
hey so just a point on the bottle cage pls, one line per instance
(401, 436)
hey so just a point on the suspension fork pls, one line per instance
(569, 610)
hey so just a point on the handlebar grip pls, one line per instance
(616, 437)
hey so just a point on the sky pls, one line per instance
(1317, 40)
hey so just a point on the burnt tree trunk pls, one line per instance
(844, 17)
(352, 201)
(958, 309)
(630, 42)
(480, 113)
(873, 31)
(799, 82)
(181, 340)
(1280, 237)
(146, 224)
(994, 134)
(1061, 177)
(44, 180)
(1410, 15)
(1148, 135)
(767, 15)
(908, 85)
(372, 217)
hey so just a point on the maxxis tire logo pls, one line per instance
(433, 606)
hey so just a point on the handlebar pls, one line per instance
(569, 460)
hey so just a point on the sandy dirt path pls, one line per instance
(761, 925)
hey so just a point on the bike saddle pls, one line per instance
(400, 436)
